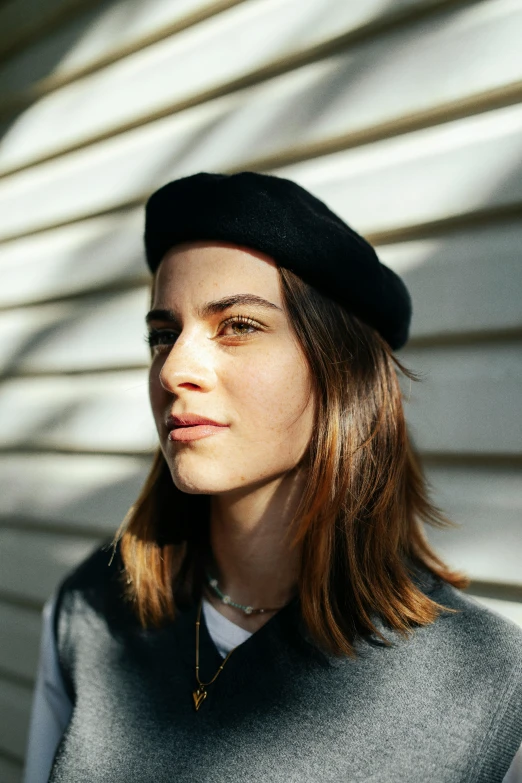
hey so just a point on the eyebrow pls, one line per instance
(215, 307)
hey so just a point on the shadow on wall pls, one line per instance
(61, 51)
(91, 492)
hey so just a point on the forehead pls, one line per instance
(200, 270)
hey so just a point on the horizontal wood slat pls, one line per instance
(97, 253)
(487, 504)
(468, 400)
(455, 287)
(337, 96)
(107, 330)
(74, 491)
(93, 413)
(32, 564)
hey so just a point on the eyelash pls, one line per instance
(154, 336)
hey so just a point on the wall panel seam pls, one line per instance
(10, 757)
(470, 106)
(129, 284)
(42, 525)
(27, 449)
(21, 601)
(470, 460)
(20, 100)
(13, 678)
(501, 590)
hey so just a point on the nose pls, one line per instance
(188, 365)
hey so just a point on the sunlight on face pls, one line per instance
(241, 366)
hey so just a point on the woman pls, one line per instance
(271, 609)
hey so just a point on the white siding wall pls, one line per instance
(405, 116)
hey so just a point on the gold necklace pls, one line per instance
(200, 694)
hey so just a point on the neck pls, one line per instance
(252, 562)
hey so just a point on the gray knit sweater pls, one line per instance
(444, 706)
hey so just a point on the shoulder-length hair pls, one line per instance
(360, 522)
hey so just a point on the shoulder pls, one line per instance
(94, 582)
(475, 634)
(467, 623)
(96, 569)
(476, 618)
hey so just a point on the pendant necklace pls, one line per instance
(200, 694)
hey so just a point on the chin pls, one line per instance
(202, 480)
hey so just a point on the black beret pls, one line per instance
(284, 221)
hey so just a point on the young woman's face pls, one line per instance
(237, 364)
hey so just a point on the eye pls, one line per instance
(160, 338)
(236, 321)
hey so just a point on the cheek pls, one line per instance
(272, 392)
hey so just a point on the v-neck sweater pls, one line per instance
(444, 705)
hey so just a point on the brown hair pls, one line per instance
(360, 521)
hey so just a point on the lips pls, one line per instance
(191, 427)
(190, 420)
(188, 427)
